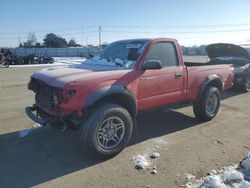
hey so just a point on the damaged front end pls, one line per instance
(46, 110)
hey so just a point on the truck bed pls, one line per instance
(199, 72)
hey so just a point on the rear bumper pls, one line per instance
(32, 113)
(240, 79)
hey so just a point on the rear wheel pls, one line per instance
(107, 130)
(208, 106)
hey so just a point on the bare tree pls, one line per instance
(31, 40)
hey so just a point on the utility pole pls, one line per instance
(86, 41)
(19, 40)
(82, 34)
(100, 37)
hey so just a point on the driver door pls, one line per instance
(162, 86)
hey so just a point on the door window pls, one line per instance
(164, 52)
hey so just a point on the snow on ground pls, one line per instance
(237, 176)
(141, 162)
(59, 61)
(26, 132)
(147, 161)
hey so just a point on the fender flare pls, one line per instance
(110, 90)
(204, 85)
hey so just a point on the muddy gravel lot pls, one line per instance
(52, 158)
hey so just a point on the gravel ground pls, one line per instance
(51, 158)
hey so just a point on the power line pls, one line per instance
(50, 30)
(178, 32)
(116, 29)
(124, 26)
(64, 34)
(100, 30)
(175, 26)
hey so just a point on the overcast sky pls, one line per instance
(192, 22)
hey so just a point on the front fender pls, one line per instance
(107, 91)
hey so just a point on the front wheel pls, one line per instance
(107, 130)
(208, 106)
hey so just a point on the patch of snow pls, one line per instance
(154, 171)
(244, 184)
(58, 61)
(228, 177)
(155, 155)
(26, 132)
(97, 60)
(245, 164)
(37, 125)
(140, 162)
(145, 161)
(213, 172)
(214, 181)
(118, 63)
(190, 177)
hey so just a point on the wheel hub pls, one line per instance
(212, 104)
(110, 133)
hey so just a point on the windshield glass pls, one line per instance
(121, 54)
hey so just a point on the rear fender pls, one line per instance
(212, 80)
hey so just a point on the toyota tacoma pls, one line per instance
(102, 96)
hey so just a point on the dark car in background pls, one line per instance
(223, 53)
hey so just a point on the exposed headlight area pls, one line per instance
(47, 97)
(68, 94)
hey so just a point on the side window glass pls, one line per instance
(164, 52)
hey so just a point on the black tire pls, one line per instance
(208, 106)
(93, 127)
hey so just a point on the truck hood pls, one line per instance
(226, 50)
(59, 76)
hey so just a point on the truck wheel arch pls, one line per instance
(118, 94)
(213, 80)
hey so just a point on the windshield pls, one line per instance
(121, 54)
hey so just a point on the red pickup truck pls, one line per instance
(103, 95)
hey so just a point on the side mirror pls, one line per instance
(151, 64)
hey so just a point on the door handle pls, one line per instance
(178, 75)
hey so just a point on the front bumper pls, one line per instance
(32, 113)
(39, 116)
